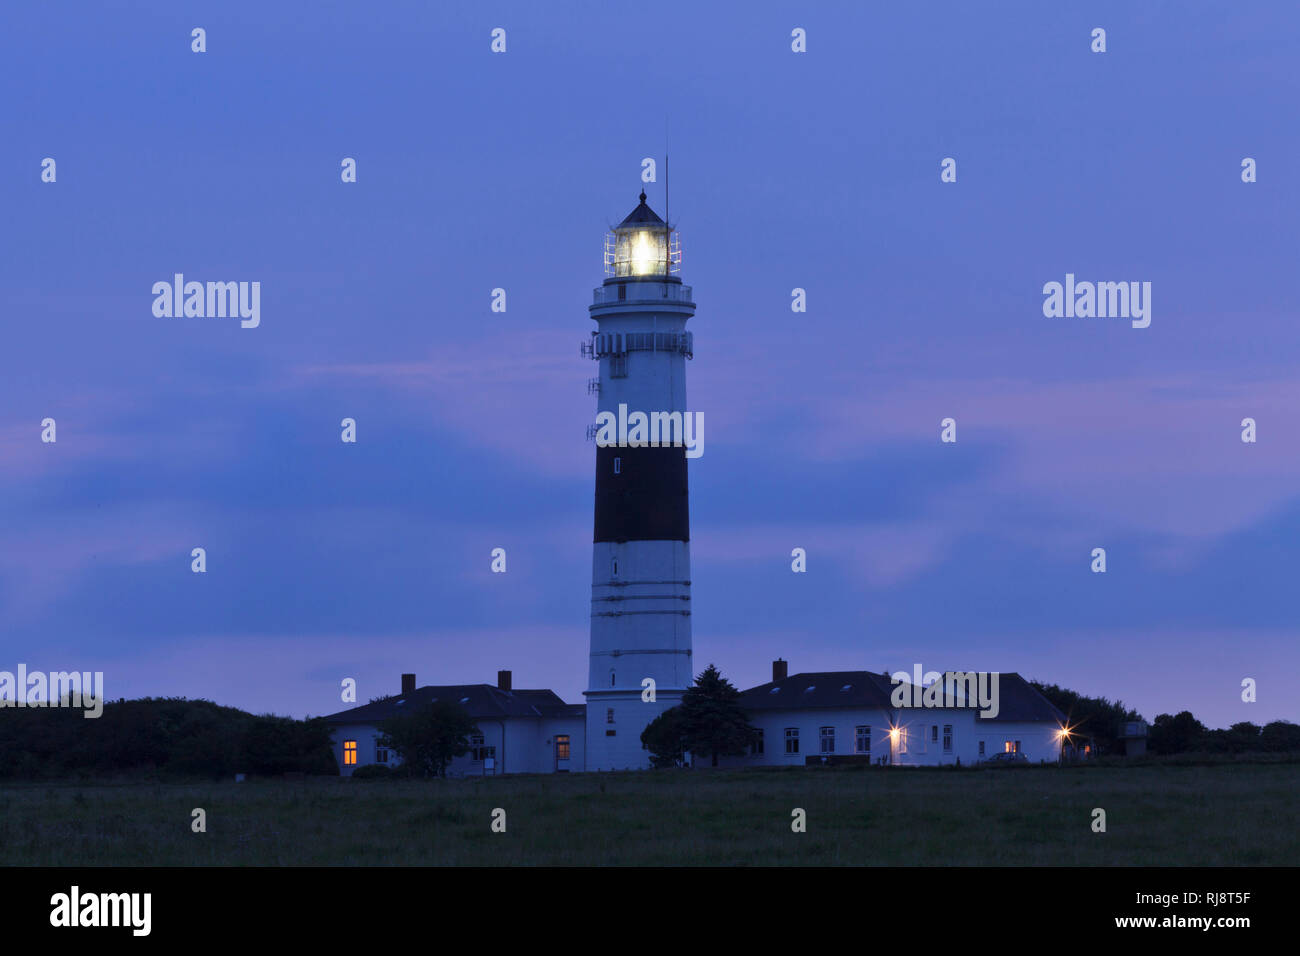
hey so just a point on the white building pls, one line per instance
(519, 731)
(849, 717)
(812, 718)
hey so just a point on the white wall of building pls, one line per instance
(522, 745)
(530, 744)
(927, 737)
(619, 740)
(1038, 741)
(843, 721)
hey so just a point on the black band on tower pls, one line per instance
(641, 494)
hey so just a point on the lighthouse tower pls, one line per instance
(641, 557)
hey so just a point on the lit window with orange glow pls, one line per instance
(349, 752)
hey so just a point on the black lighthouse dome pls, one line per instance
(642, 215)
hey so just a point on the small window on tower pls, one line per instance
(611, 678)
(622, 291)
(618, 366)
(618, 466)
(613, 569)
(609, 715)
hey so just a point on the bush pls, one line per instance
(172, 735)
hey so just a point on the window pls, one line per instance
(561, 746)
(475, 747)
(613, 569)
(1017, 746)
(618, 466)
(622, 291)
(609, 715)
(618, 366)
(828, 740)
(902, 740)
(792, 740)
(349, 753)
(757, 746)
(611, 678)
(862, 741)
(610, 733)
(947, 738)
(981, 748)
(381, 754)
(488, 753)
(934, 732)
(1009, 747)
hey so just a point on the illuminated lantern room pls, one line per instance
(642, 245)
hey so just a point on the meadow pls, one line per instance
(1227, 814)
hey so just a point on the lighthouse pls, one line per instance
(640, 661)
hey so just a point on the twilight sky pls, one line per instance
(817, 170)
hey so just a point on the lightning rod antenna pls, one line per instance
(666, 216)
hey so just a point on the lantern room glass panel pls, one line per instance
(641, 252)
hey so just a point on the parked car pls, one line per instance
(1007, 758)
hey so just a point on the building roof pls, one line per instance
(642, 215)
(1017, 698)
(481, 701)
(820, 689)
(1020, 700)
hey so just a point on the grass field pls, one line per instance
(1242, 815)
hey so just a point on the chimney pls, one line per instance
(503, 680)
(408, 684)
(780, 669)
